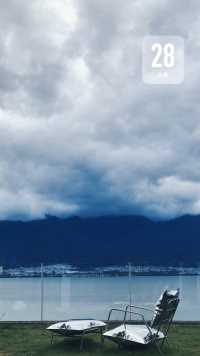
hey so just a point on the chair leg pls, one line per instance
(158, 348)
(165, 339)
(101, 336)
(167, 342)
(119, 346)
(82, 342)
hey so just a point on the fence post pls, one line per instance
(129, 279)
(129, 284)
(42, 290)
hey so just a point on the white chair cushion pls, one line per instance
(77, 325)
(132, 333)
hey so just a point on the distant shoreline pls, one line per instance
(67, 270)
(103, 275)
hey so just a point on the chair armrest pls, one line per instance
(138, 307)
(115, 309)
(129, 306)
(125, 311)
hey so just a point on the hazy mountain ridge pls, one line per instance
(99, 241)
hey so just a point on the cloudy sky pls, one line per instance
(80, 133)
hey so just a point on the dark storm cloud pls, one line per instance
(79, 131)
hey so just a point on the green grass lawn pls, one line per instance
(34, 340)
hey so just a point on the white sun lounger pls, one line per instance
(77, 327)
(146, 333)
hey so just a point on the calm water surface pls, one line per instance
(20, 298)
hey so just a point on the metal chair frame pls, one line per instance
(159, 327)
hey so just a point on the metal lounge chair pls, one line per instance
(154, 332)
(77, 327)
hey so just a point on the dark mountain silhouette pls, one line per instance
(100, 241)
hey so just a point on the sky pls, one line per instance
(80, 132)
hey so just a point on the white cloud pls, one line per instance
(79, 131)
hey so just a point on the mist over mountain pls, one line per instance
(99, 241)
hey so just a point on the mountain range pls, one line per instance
(100, 241)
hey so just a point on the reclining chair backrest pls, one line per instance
(165, 309)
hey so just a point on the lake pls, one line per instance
(92, 297)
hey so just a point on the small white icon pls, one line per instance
(163, 60)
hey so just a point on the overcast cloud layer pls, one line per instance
(79, 131)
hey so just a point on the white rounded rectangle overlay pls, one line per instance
(163, 60)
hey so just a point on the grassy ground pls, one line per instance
(34, 340)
